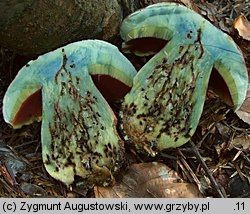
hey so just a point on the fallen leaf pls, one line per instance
(243, 26)
(223, 130)
(239, 188)
(208, 10)
(190, 4)
(33, 190)
(244, 111)
(241, 142)
(149, 180)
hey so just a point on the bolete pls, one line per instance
(79, 137)
(165, 104)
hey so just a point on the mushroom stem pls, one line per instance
(79, 136)
(164, 106)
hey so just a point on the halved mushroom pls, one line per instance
(79, 137)
(165, 104)
(111, 72)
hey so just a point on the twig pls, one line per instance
(171, 157)
(245, 157)
(205, 135)
(189, 172)
(206, 169)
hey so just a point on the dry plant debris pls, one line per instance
(243, 26)
(145, 180)
(244, 111)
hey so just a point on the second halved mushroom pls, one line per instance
(165, 104)
(79, 137)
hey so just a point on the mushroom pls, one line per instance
(79, 137)
(163, 108)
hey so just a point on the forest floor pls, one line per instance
(216, 160)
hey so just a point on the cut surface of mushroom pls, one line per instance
(79, 137)
(165, 104)
(110, 70)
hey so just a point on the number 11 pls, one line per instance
(240, 206)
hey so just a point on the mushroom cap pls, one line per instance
(79, 137)
(109, 68)
(163, 108)
(171, 21)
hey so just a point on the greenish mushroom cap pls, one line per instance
(79, 137)
(169, 91)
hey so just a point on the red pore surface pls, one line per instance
(111, 89)
(219, 86)
(146, 44)
(30, 108)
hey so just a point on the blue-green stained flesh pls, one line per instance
(79, 136)
(78, 129)
(165, 104)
